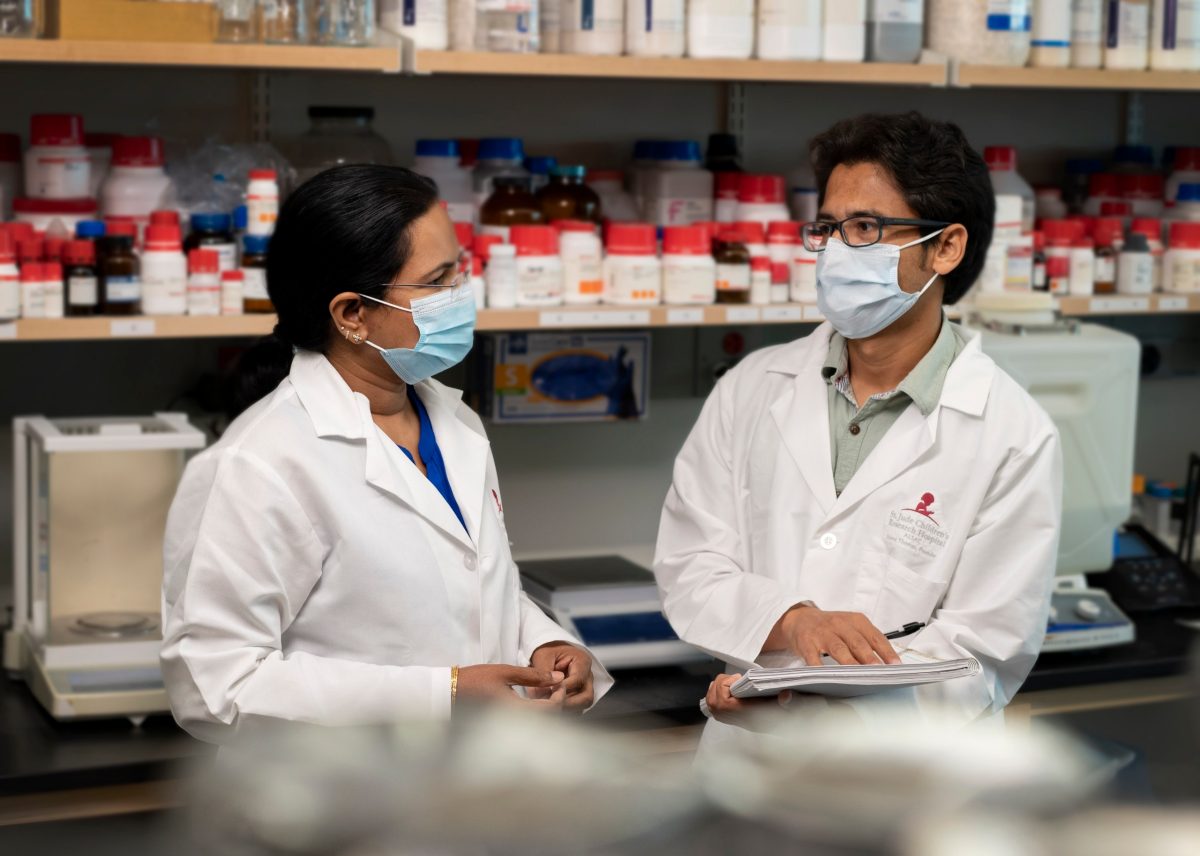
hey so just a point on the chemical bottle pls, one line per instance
(1187, 203)
(10, 279)
(164, 272)
(1175, 40)
(1152, 229)
(137, 182)
(1186, 171)
(497, 156)
(33, 290)
(632, 269)
(262, 202)
(720, 29)
(1060, 234)
(540, 169)
(1109, 238)
(680, 191)
(204, 282)
(725, 206)
(895, 30)
(52, 287)
(539, 268)
(550, 25)
(689, 273)
(510, 204)
(615, 203)
(501, 277)
(1144, 193)
(804, 274)
(1181, 262)
(82, 281)
(57, 164)
(567, 197)
(507, 26)
(982, 32)
(1087, 33)
(733, 267)
(763, 199)
(593, 27)
(760, 281)
(789, 29)
(1049, 204)
(1051, 38)
(583, 262)
(782, 237)
(254, 273)
(1103, 187)
(1128, 45)
(844, 36)
(10, 174)
(213, 231)
(476, 284)
(423, 21)
(657, 29)
(119, 271)
(1082, 281)
(1038, 281)
(233, 292)
(1002, 166)
(1135, 267)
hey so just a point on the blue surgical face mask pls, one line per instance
(446, 322)
(858, 288)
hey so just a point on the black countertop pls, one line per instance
(39, 754)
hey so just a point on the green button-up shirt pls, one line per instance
(855, 431)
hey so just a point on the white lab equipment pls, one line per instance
(845, 31)
(90, 507)
(720, 29)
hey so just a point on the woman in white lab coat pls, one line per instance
(340, 555)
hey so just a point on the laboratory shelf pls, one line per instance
(1121, 304)
(647, 68)
(136, 327)
(1073, 78)
(383, 56)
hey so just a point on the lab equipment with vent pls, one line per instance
(90, 500)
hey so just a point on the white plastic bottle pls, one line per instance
(1187, 204)
(782, 237)
(1087, 33)
(982, 32)
(10, 279)
(804, 275)
(657, 28)
(1128, 46)
(1051, 39)
(423, 21)
(53, 295)
(593, 27)
(689, 271)
(137, 183)
(100, 150)
(233, 292)
(720, 29)
(1175, 40)
(845, 31)
(1002, 166)
(762, 199)
(789, 29)
(57, 164)
(1082, 282)
(33, 291)
(164, 272)
(895, 30)
(501, 277)
(615, 202)
(1135, 266)
(679, 191)
(632, 270)
(725, 208)
(1181, 262)
(583, 262)
(760, 281)
(439, 160)
(539, 268)
(262, 202)
(204, 283)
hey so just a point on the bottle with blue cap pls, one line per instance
(89, 230)
(497, 156)
(540, 167)
(440, 161)
(255, 298)
(678, 191)
(213, 231)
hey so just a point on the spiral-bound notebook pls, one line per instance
(849, 681)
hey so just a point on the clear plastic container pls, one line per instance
(895, 30)
(507, 26)
(845, 31)
(1087, 33)
(284, 22)
(655, 29)
(1002, 166)
(593, 27)
(720, 29)
(349, 23)
(237, 21)
(789, 29)
(1051, 38)
(21, 19)
(439, 160)
(339, 135)
(424, 21)
(982, 32)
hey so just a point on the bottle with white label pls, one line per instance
(501, 277)
(632, 270)
(789, 29)
(262, 202)
(689, 272)
(440, 160)
(82, 283)
(1082, 282)
(57, 163)
(679, 191)
(593, 27)
(760, 281)
(733, 267)
(164, 272)
(213, 231)
(1087, 33)
(52, 290)
(33, 291)
(782, 237)
(423, 21)
(1181, 262)
(657, 28)
(254, 274)
(1051, 39)
(233, 290)
(1135, 266)
(583, 262)
(204, 282)
(1175, 42)
(1128, 44)
(804, 275)
(844, 38)
(895, 30)
(539, 267)
(720, 29)
(980, 32)
(10, 279)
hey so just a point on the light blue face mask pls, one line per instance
(858, 288)
(446, 322)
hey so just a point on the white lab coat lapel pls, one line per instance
(464, 451)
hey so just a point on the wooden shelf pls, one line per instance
(384, 56)
(572, 65)
(600, 317)
(1121, 304)
(136, 327)
(1074, 78)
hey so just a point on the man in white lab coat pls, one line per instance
(881, 471)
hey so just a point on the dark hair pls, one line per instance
(346, 229)
(940, 176)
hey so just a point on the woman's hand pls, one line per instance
(576, 664)
(742, 712)
(494, 683)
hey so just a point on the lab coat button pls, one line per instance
(828, 541)
(469, 562)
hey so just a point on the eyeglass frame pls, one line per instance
(883, 222)
(459, 281)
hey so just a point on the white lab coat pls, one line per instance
(313, 574)
(752, 525)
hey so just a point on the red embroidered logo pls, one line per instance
(496, 497)
(925, 508)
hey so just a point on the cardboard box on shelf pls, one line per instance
(131, 21)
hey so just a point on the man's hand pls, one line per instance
(742, 712)
(573, 662)
(489, 683)
(848, 637)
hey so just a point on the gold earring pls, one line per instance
(357, 339)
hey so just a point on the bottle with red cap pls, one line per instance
(1153, 230)
(1181, 263)
(262, 202)
(164, 272)
(82, 281)
(233, 292)
(1002, 167)
(632, 270)
(754, 236)
(52, 289)
(689, 273)
(1060, 236)
(762, 199)
(1082, 282)
(204, 282)
(725, 206)
(57, 164)
(583, 262)
(33, 290)
(539, 267)
(10, 279)
(137, 182)
(10, 173)
(1144, 192)
(1102, 187)
(782, 238)
(99, 146)
(803, 274)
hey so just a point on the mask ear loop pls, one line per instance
(925, 288)
(390, 306)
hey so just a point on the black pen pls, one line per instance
(907, 630)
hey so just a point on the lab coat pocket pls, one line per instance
(904, 596)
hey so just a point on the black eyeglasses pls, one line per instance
(862, 231)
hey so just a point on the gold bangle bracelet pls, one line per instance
(453, 685)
